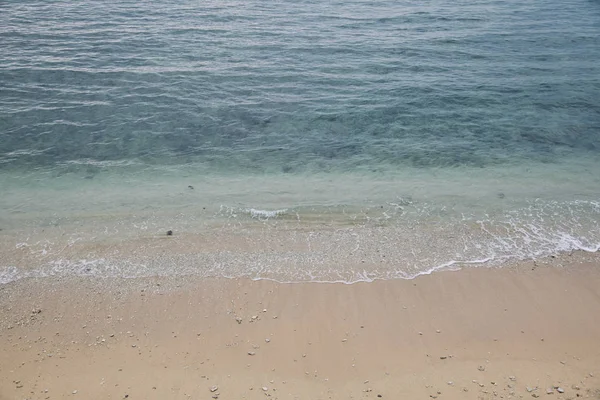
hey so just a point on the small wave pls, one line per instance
(265, 214)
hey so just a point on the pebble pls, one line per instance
(214, 388)
(560, 390)
(535, 395)
(169, 233)
(267, 340)
(438, 331)
(251, 353)
(264, 388)
(344, 340)
(74, 391)
(481, 368)
(549, 391)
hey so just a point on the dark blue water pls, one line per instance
(463, 109)
(262, 86)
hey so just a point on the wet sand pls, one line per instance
(517, 332)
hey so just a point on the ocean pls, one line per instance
(331, 141)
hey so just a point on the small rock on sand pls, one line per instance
(560, 390)
(251, 353)
(264, 388)
(481, 368)
(214, 388)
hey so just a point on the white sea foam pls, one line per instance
(265, 214)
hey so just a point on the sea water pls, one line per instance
(296, 141)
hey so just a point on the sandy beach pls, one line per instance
(529, 330)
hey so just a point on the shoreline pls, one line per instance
(529, 326)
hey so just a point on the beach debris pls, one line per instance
(560, 390)
(169, 233)
(214, 388)
(481, 368)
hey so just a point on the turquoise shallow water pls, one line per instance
(439, 134)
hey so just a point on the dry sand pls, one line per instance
(515, 332)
